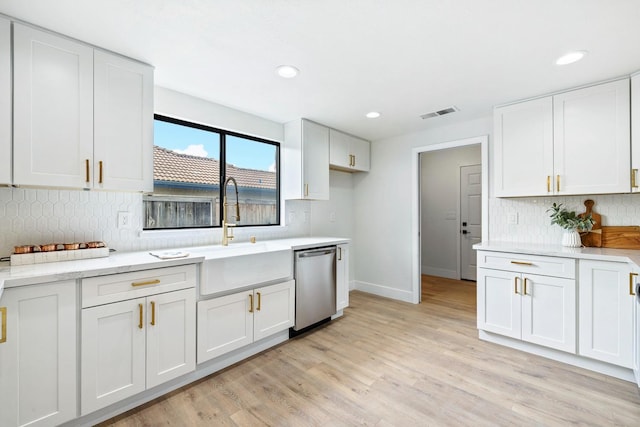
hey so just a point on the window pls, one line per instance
(190, 162)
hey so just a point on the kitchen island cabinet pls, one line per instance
(5, 101)
(87, 125)
(38, 358)
(606, 311)
(575, 142)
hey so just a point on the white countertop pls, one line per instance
(604, 254)
(11, 276)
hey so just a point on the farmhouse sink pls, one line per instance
(243, 264)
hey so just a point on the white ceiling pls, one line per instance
(403, 58)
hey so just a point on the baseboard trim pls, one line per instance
(560, 356)
(440, 272)
(384, 291)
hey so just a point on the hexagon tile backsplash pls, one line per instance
(534, 224)
(38, 216)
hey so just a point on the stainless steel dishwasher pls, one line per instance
(315, 274)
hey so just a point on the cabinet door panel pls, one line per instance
(361, 151)
(53, 109)
(113, 353)
(592, 139)
(123, 132)
(5, 101)
(224, 324)
(338, 149)
(499, 302)
(523, 148)
(549, 312)
(38, 360)
(635, 134)
(606, 307)
(171, 336)
(342, 277)
(315, 162)
(275, 307)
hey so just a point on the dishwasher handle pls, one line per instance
(307, 254)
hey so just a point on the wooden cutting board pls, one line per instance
(594, 237)
(621, 237)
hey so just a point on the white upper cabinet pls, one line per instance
(305, 170)
(523, 148)
(5, 101)
(576, 142)
(82, 118)
(123, 128)
(591, 152)
(53, 109)
(347, 152)
(635, 132)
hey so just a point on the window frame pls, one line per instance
(223, 133)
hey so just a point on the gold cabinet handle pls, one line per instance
(153, 313)
(558, 183)
(100, 172)
(259, 301)
(354, 161)
(515, 285)
(306, 190)
(250, 303)
(140, 325)
(524, 290)
(631, 276)
(148, 282)
(634, 174)
(3, 335)
(521, 263)
(86, 170)
(339, 254)
(548, 183)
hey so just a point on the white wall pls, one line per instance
(382, 209)
(439, 211)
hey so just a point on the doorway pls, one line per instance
(443, 206)
(470, 218)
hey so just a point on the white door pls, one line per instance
(224, 324)
(52, 109)
(549, 312)
(499, 302)
(113, 353)
(171, 335)
(470, 218)
(38, 355)
(123, 135)
(274, 309)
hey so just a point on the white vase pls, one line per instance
(571, 239)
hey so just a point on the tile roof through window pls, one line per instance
(170, 166)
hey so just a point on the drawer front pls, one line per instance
(124, 286)
(533, 264)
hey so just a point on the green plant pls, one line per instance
(569, 220)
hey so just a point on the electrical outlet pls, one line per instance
(332, 217)
(124, 220)
(305, 216)
(292, 216)
(512, 218)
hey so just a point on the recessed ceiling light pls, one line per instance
(571, 57)
(287, 71)
(373, 115)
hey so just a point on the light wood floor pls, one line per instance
(387, 363)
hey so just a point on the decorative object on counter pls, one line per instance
(592, 238)
(54, 252)
(572, 224)
(621, 237)
(169, 254)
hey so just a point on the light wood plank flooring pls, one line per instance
(388, 363)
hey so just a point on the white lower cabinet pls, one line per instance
(342, 277)
(135, 344)
(230, 322)
(38, 357)
(606, 312)
(537, 308)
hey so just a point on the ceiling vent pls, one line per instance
(442, 112)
